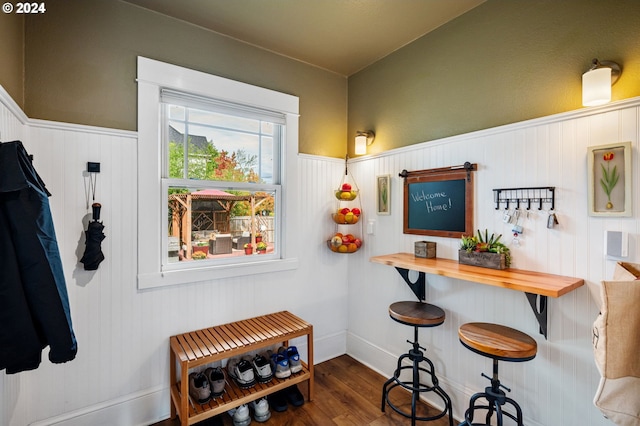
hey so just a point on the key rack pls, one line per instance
(534, 195)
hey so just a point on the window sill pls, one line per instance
(169, 278)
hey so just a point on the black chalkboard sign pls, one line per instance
(439, 202)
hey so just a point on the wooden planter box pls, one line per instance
(484, 259)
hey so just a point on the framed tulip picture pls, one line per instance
(609, 168)
(383, 194)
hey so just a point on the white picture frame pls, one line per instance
(609, 179)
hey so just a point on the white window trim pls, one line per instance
(154, 76)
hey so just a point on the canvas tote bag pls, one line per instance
(616, 346)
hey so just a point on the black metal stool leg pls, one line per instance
(394, 378)
(415, 386)
(496, 399)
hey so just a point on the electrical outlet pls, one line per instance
(371, 227)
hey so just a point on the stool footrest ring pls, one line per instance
(416, 388)
(494, 406)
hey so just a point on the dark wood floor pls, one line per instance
(347, 393)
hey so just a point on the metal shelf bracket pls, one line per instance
(417, 286)
(539, 305)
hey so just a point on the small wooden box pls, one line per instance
(426, 249)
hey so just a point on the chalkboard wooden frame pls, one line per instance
(442, 185)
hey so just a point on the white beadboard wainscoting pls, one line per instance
(557, 387)
(120, 375)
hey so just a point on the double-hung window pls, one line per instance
(216, 176)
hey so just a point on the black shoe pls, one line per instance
(278, 401)
(213, 421)
(294, 396)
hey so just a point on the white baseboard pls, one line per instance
(152, 405)
(142, 408)
(329, 347)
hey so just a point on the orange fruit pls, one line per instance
(340, 218)
(352, 247)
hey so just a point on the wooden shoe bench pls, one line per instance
(197, 348)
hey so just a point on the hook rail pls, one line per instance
(539, 195)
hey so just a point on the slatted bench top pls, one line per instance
(214, 343)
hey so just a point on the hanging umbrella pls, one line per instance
(93, 239)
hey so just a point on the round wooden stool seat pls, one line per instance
(498, 341)
(416, 314)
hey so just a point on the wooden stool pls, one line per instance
(499, 343)
(416, 314)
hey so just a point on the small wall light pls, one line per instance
(363, 140)
(597, 82)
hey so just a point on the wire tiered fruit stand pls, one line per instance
(347, 216)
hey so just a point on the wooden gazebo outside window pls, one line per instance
(212, 213)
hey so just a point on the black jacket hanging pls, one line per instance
(34, 305)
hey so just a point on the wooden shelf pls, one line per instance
(536, 285)
(234, 396)
(200, 347)
(514, 279)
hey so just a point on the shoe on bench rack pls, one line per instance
(280, 364)
(216, 381)
(241, 371)
(294, 359)
(294, 396)
(240, 415)
(278, 401)
(212, 421)
(262, 368)
(260, 409)
(199, 389)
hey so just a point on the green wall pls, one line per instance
(12, 51)
(80, 62)
(503, 62)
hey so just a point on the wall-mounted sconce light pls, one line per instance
(363, 140)
(597, 82)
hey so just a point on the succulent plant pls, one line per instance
(486, 243)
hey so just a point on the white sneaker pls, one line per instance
(240, 415)
(262, 368)
(241, 371)
(260, 409)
